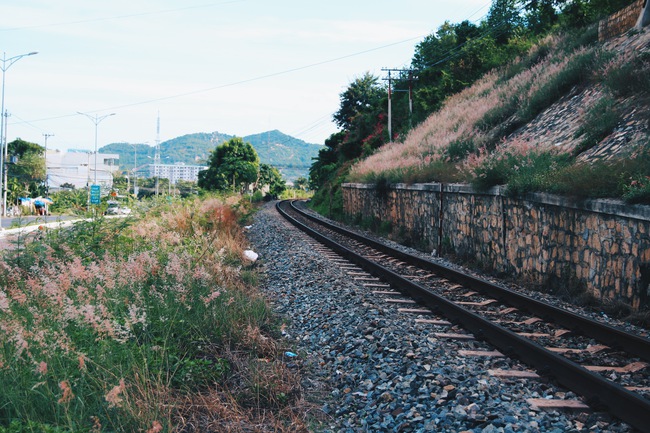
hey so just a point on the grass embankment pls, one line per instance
(470, 138)
(142, 324)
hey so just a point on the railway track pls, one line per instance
(608, 367)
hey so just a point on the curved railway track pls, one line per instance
(609, 367)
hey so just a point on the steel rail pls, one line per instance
(598, 392)
(610, 335)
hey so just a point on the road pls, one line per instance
(15, 222)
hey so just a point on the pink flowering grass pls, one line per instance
(109, 323)
(475, 120)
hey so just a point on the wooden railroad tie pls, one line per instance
(477, 304)
(453, 336)
(400, 301)
(376, 285)
(486, 353)
(591, 349)
(630, 368)
(414, 310)
(513, 374)
(433, 322)
(546, 403)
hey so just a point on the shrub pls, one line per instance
(621, 178)
(638, 191)
(536, 172)
(522, 166)
(129, 336)
(626, 77)
(577, 70)
(600, 121)
(459, 149)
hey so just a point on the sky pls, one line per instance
(237, 67)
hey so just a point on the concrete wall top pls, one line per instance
(603, 206)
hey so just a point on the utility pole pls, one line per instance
(47, 185)
(5, 163)
(411, 78)
(156, 158)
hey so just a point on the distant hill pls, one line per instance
(291, 156)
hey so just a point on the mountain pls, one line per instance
(290, 155)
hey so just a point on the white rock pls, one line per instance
(250, 255)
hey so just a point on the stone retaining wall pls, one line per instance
(600, 245)
(620, 22)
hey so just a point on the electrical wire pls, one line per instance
(118, 17)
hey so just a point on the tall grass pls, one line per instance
(473, 123)
(132, 325)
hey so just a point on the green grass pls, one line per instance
(600, 121)
(124, 324)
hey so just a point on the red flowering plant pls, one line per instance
(638, 189)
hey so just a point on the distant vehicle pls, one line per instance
(115, 208)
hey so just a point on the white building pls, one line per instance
(80, 169)
(176, 172)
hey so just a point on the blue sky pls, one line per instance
(238, 67)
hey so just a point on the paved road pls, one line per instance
(13, 222)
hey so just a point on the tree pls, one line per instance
(186, 188)
(231, 166)
(358, 99)
(269, 175)
(504, 20)
(301, 183)
(27, 175)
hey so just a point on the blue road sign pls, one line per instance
(95, 194)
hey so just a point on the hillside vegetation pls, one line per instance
(481, 135)
(291, 156)
(529, 99)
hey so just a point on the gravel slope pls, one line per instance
(371, 368)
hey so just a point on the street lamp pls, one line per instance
(96, 121)
(135, 168)
(6, 64)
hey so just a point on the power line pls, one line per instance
(119, 17)
(232, 84)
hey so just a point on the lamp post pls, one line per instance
(135, 168)
(96, 120)
(6, 64)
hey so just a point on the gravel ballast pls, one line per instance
(372, 368)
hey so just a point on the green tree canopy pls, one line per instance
(26, 176)
(231, 166)
(360, 98)
(269, 175)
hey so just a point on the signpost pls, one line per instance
(95, 194)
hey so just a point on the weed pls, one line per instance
(626, 77)
(109, 325)
(600, 121)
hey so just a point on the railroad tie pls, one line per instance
(486, 353)
(630, 368)
(513, 373)
(477, 304)
(433, 322)
(376, 285)
(399, 301)
(530, 321)
(414, 310)
(590, 349)
(454, 336)
(556, 334)
(544, 403)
